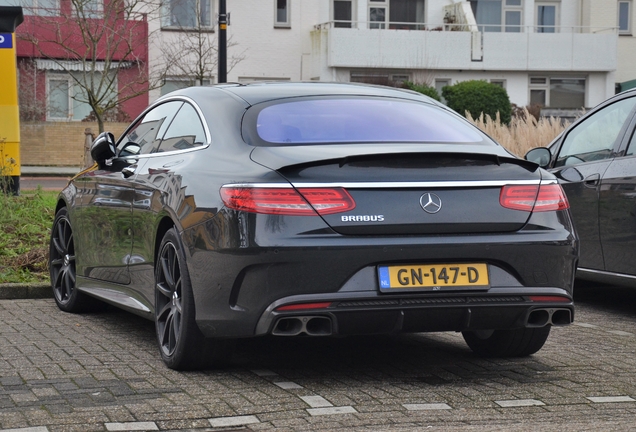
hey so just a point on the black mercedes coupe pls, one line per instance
(314, 209)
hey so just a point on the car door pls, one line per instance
(583, 155)
(141, 141)
(617, 209)
(159, 190)
(102, 217)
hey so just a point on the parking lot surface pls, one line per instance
(102, 372)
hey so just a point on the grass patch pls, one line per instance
(25, 227)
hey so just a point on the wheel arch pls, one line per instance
(164, 225)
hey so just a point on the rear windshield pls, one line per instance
(313, 121)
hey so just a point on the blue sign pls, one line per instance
(6, 41)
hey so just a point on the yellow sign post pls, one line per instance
(10, 18)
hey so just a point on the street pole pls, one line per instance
(222, 42)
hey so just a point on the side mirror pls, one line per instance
(540, 155)
(103, 148)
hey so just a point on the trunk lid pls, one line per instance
(409, 193)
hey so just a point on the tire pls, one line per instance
(520, 342)
(181, 343)
(62, 267)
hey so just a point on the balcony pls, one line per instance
(456, 47)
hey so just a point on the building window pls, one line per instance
(342, 13)
(547, 17)
(177, 83)
(624, 17)
(282, 17)
(439, 85)
(187, 14)
(396, 14)
(498, 15)
(88, 8)
(35, 7)
(59, 99)
(499, 82)
(66, 99)
(557, 92)
(378, 14)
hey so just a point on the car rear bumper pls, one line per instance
(361, 314)
(239, 285)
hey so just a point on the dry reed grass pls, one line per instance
(523, 133)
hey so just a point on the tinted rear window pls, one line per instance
(352, 120)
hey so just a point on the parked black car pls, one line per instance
(314, 209)
(594, 160)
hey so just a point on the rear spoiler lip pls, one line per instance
(284, 159)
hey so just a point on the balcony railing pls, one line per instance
(484, 28)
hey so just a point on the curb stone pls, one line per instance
(17, 291)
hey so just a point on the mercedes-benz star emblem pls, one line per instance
(431, 203)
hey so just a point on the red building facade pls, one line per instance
(81, 50)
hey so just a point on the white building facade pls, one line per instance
(556, 53)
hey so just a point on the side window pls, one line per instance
(186, 131)
(594, 138)
(148, 131)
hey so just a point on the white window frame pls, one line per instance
(628, 30)
(439, 83)
(33, 7)
(59, 77)
(166, 18)
(282, 24)
(511, 8)
(89, 12)
(499, 82)
(354, 12)
(557, 16)
(378, 4)
(547, 85)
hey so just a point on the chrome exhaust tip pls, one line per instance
(309, 325)
(551, 316)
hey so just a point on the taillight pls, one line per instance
(545, 197)
(288, 201)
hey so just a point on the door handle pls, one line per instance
(592, 180)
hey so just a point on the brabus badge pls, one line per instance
(431, 203)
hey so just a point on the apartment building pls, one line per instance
(557, 53)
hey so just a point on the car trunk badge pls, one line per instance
(431, 203)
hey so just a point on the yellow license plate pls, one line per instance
(434, 277)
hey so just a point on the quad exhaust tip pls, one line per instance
(309, 325)
(549, 316)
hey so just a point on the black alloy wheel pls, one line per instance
(62, 266)
(181, 343)
(177, 333)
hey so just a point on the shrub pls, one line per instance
(422, 88)
(477, 97)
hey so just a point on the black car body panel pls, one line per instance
(248, 270)
(600, 182)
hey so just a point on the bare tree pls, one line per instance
(32, 107)
(102, 46)
(192, 52)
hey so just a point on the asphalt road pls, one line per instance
(101, 371)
